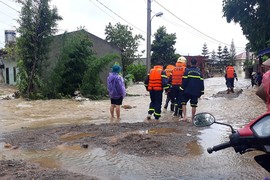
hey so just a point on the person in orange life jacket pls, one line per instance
(168, 71)
(155, 82)
(176, 81)
(192, 88)
(229, 78)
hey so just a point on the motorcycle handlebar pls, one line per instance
(219, 147)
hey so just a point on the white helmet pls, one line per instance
(182, 59)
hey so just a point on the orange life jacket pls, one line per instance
(169, 70)
(177, 73)
(155, 79)
(230, 72)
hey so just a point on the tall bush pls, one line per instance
(92, 85)
(138, 71)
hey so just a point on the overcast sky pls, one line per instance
(195, 22)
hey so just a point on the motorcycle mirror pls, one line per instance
(203, 119)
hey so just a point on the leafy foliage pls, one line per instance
(163, 48)
(121, 35)
(71, 66)
(138, 72)
(37, 22)
(254, 18)
(232, 54)
(225, 56)
(92, 86)
(77, 69)
(205, 50)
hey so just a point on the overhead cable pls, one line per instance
(10, 6)
(103, 10)
(120, 16)
(194, 27)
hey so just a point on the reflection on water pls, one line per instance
(226, 164)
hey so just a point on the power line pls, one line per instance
(5, 23)
(103, 10)
(6, 15)
(10, 7)
(120, 16)
(194, 27)
(14, 1)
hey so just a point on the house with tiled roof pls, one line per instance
(239, 64)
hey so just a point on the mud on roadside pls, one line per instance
(140, 139)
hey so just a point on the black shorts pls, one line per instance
(117, 101)
(193, 100)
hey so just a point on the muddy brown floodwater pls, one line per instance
(68, 139)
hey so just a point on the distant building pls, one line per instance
(141, 61)
(240, 59)
(100, 48)
(200, 62)
(10, 36)
(8, 67)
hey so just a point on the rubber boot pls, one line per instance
(166, 103)
(232, 90)
(228, 91)
(180, 113)
(172, 107)
(175, 111)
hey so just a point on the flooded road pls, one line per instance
(198, 164)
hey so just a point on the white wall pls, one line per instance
(8, 72)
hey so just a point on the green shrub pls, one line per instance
(138, 71)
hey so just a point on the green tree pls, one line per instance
(138, 72)
(232, 53)
(205, 50)
(121, 35)
(77, 68)
(163, 48)
(213, 57)
(225, 56)
(92, 86)
(254, 18)
(219, 55)
(37, 24)
(72, 64)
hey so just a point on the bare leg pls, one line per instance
(117, 107)
(193, 111)
(184, 109)
(112, 110)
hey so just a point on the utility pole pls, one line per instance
(148, 37)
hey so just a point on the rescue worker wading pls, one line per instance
(229, 78)
(176, 81)
(154, 83)
(192, 87)
(169, 98)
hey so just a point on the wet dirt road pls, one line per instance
(20, 114)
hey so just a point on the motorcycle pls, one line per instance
(255, 136)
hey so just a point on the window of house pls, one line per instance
(7, 75)
(14, 74)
